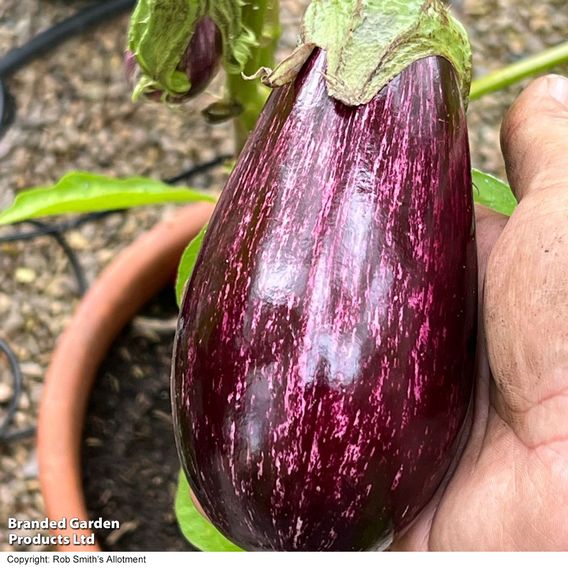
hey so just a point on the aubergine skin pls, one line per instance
(202, 58)
(324, 358)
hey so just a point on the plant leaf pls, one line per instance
(369, 43)
(196, 528)
(493, 193)
(187, 263)
(161, 30)
(159, 34)
(83, 192)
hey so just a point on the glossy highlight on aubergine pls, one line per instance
(324, 358)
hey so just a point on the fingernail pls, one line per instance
(558, 88)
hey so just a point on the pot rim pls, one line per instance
(137, 274)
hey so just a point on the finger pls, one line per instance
(526, 286)
(534, 134)
(490, 225)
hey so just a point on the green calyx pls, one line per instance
(161, 30)
(369, 42)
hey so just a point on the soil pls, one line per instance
(130, 464)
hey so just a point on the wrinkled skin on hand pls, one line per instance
(510, 488)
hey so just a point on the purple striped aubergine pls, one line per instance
(324, 359)
(200, 62)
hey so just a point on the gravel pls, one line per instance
(75, 113)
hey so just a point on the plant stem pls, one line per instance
(251, 96)
(271, 35)
(516, 72)
(261, 17)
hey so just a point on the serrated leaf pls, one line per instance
(196, 528)
(83, 192)
(187, 263)
(493, 193)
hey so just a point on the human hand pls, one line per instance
(510, 488)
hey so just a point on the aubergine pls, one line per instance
(200, 63)
(324, 358)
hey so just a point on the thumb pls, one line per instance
(534, 136)
(526, 311)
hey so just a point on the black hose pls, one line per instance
(17, 384)
(199, 169)
(47, 230)
(51, 38)
(7, 108)
(71, 256)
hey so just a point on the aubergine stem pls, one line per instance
(261, 17)
(539, 63)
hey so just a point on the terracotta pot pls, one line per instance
(131, 280)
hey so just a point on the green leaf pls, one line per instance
(161, 30)
(196, 528)
(83, 192)
(187, 263)
(493, 193)
(159, 34)
(369, 43)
